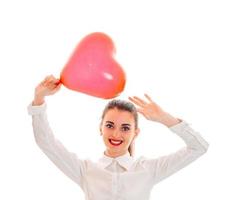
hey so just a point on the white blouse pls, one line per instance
(120, 178)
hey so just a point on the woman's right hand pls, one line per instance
(49, 86)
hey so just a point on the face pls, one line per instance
(118, 131)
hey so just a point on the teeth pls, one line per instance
(115, 141)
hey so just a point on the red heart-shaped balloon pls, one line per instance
(92, 69)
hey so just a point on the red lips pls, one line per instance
(115, 142)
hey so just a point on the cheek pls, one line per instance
(106, 133)
(105, 138)
(103, 130)
(128, 136)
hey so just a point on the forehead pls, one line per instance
(119, 116)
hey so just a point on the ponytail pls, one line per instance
(131, 149)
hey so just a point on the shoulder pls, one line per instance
(145, 162)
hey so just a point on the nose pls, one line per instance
(116, 134)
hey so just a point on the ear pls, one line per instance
(100, 130)
(137, 132)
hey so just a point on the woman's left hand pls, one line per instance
(152, 111)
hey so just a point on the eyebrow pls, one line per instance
(110, 122)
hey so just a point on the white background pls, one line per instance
(192, 57)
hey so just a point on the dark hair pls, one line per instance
(125, 106)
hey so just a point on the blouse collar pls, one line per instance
(125, 160)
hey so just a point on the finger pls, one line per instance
(57, 88)
(131, 99)
(46, 78)
(54, 81)
(52, 78)
(140, 100)
(140, 111)
(58, 81)
(135, 101)
(148, 97)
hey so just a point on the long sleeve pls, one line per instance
(67, 162)
(165, 166)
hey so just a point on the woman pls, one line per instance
(117, 175)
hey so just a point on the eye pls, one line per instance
(125, 128)
(108, 125)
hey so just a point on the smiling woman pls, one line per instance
(116, 171)
(110, 125)
(119, 127)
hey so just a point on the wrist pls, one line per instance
(38, 100)
(169, 120)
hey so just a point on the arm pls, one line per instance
(167, 165)
(66, 161)
(196, 146)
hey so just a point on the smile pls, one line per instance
(115, 142)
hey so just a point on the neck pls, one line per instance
(114, 154)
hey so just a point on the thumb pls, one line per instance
(140, 110)
(58, 81)
(57, 88)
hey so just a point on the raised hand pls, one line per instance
(152, 111)
(49, 86)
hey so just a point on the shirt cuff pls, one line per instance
(177, 128)
(36, 110)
